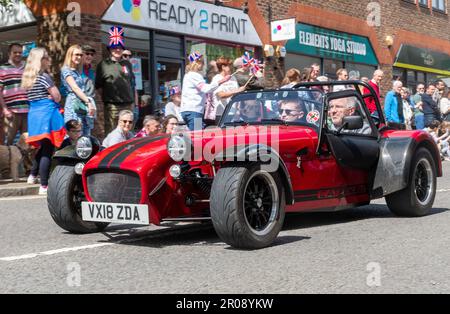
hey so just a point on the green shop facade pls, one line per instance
(415, 65)
(332, 50)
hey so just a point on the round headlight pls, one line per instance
(84, 147)
(178, 148)
(175, 171)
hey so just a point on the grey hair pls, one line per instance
(351, 102)
(397, 84)
(378, 72)
(125, 113)
(147, 119)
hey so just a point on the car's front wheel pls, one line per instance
(417, 198)
(64, 197)
(247, 206)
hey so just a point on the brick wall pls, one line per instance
(407, 22)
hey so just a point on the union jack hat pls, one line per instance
(175, 90)
(116, 39)
(195, 56)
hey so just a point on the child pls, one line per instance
(74, 131)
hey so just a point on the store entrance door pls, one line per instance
(170, 74)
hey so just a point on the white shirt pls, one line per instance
(172, 109)
(229, 86)
(117, 136)
(193, 95)
(445, 105)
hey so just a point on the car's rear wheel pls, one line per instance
(64, 197)
(247, 206)
(418, 197)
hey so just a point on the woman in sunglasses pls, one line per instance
(78, 105)
(123, 131)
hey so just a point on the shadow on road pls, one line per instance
(308, 220)
(197, 234)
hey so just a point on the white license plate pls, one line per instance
(115, 213)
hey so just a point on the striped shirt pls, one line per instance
(39, 91)
(14, 96)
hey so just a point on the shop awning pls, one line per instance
(425, 60)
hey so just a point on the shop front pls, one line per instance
(332, 50)
(161, 34)
(17, 25)
(414, 65)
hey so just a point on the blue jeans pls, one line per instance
(420, 121)
(194, 120)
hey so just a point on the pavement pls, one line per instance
(8, 188)
(362, 250)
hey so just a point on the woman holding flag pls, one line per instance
(195, 89)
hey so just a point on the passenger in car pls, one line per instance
(343, 107)
(292, 110)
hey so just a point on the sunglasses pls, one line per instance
(126, 56)
(78, 54)
(127, 121)
(288, 111)
(89, 54)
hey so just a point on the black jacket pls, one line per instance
(430, 107)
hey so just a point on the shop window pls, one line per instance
(330, 67)
(431, 78)
(358, 71)
(213, 51)
(421, 77)
(299, 61)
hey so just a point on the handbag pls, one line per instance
(79, 107)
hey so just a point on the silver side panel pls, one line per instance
(393, 162)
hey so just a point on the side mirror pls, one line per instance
(352, 122)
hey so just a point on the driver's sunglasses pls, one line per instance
(288, 111)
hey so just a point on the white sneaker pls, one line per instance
(43, 190)
(32, 179)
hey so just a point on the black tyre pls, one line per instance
(247, 206)
(64, 197)
(417, 198)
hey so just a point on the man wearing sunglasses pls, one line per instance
(292, 110)
(123, 131)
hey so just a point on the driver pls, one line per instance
(250, 110)
(343, 107)
(292, 110)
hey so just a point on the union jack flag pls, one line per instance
(247, 60)
(116, 36)
(255, 67)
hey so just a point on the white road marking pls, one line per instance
(53, 252)
(441, 191)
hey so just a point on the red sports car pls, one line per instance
(274, 152)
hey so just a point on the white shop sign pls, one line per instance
(186, 17)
